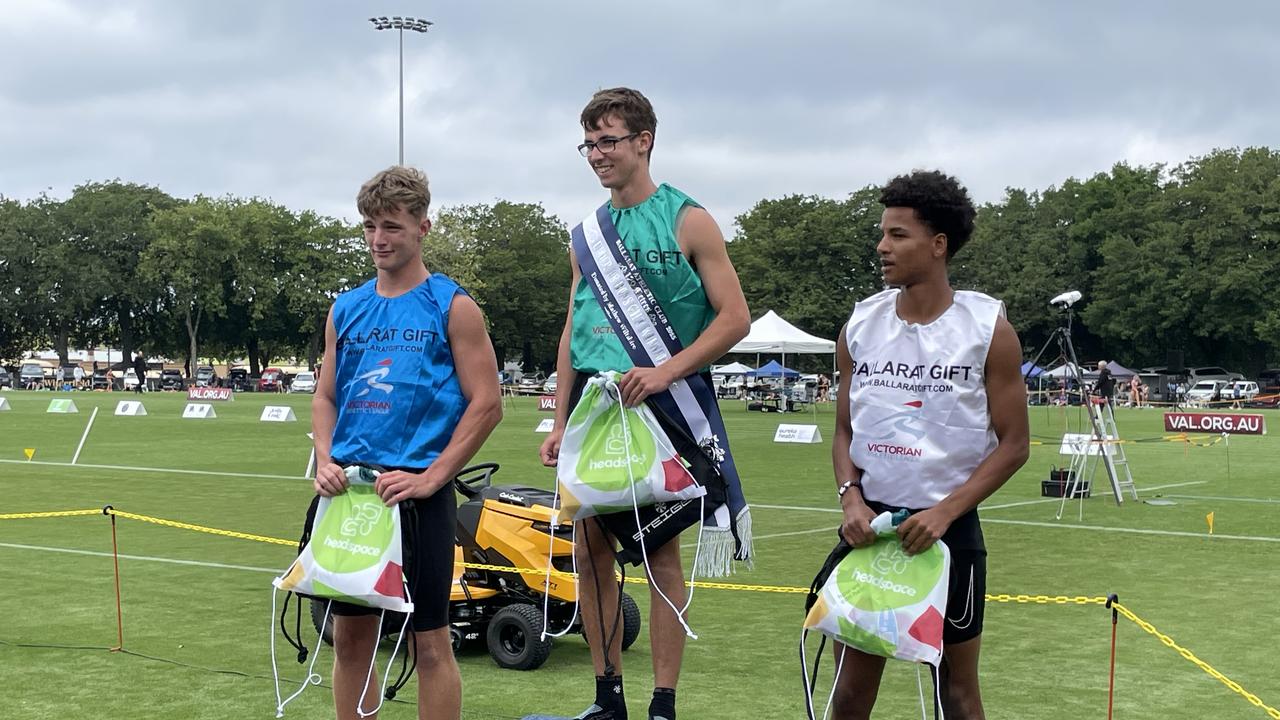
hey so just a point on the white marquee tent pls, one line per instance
(772, 334)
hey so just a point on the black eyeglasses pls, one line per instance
(604, 144)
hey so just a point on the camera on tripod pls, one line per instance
(1066, 299)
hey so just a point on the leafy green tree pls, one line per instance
(520, 256)
(808, 258)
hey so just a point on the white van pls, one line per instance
(1204, 391)
(1247, 389)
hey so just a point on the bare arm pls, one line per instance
(566, 376)
(705, 247)
(477, 370)
(329, 480)
(1007, 400)
(856, 527)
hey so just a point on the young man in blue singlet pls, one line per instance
(932, 417)
(679, 251)
(409, 384)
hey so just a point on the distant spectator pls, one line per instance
(140, 371)
(1106, 385)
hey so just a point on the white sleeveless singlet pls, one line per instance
(918, 397)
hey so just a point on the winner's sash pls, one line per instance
(642, 326)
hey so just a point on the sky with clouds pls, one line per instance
(297, 101)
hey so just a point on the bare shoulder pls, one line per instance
(698, 231)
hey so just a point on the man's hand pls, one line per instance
(920, 531)
(856, 528)
(330, 480)
(396, 485)
(639, 383)
(549, 453)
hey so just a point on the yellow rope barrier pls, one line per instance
(1000, 598)
(196, 528)
(1190, 657)
(52, 514)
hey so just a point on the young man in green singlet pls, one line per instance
(679, 251)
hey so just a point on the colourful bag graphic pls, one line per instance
(618, 459)
(614, 458)
(882, 601)
(354, 554)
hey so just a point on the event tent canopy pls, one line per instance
(732, 369)
(1119, 371)
(772, 334)
(1029, 370)
(773, 369)
(1064, 370)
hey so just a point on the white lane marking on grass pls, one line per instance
(810, 531)
(1172, 485)
(158, 470)
(797, 507)
(1269, 501)
(148, 558)
(1134, 531)
(1041, 501)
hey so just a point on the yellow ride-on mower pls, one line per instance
(510, 527)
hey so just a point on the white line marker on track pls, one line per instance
(157, 470)
(1134, 531)
(174, 561)
(810, 531)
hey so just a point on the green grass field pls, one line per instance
(206, 618)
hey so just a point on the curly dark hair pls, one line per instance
(940, 201)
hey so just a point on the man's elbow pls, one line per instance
(491, 413)
(739, 323)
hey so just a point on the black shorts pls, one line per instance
(967, 586)
(429, 525)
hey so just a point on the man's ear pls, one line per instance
(940, 245)
(424, 227)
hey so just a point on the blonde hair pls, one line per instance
(394, 188)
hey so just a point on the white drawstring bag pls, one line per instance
(615, 458)
(355, 554)
(882, 601)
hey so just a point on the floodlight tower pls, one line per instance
(400, 24)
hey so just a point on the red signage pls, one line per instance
(1232, 423)
(546, 402)
(209, 393)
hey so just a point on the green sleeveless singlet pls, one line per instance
(649, 232)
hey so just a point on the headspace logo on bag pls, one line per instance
(349, 546)
(605, 461)
(883, 583)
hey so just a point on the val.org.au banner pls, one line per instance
(1233, 423)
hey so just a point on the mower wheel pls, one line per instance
(455, 639)
(630, 621)
(515, 638)
(317, 619)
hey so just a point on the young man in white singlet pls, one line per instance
(932, 417)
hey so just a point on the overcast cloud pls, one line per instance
(296, 101)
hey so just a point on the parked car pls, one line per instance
(549, 386)
(171, 379)
(272, 380)
(303, 382)
(238, 379)
(6, 380)
(31, 374)
(206, 376)
(1213, 372)
(1205, 391)
(532, 382)
(1269, 381)
(1248, 390)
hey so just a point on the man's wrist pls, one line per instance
(848, 486)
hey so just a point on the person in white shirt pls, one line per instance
(931, 417)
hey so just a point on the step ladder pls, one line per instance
(1103, 420)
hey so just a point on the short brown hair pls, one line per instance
(394, 188)
(630, 106)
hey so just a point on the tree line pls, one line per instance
(1168, 258)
